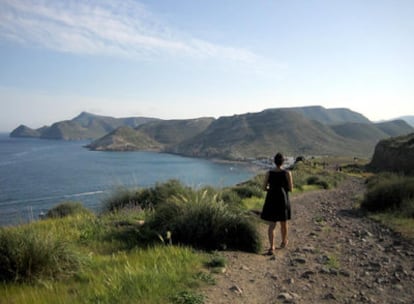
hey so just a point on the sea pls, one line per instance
(37, 174)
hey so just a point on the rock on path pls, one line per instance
(334, 256)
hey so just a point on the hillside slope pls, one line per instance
(372, 132)
(172, 132)
(395, 127)
(125, 139)
(408, 119)
(261, 134)
(153, 136)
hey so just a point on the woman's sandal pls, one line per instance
(270, 251)
(284, 244)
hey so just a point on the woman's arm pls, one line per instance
(265, 186)
(290, 180)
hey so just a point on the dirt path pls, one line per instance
(334, 256)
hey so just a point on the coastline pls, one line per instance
(39, 174)
(252, 166)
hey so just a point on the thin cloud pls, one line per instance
(116, 28)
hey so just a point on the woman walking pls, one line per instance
(278, 183)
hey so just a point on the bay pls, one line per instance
(37, 174)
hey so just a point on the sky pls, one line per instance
(185, 59)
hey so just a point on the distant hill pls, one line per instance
(359, 131)
(24, 131)
(372, 132)
(83, 126)
(394, 154)
(409, 119)
(262, 134)
(172, 132)
(395, 127)
(153, 136)
(108, 123)
(125, 139)
(330, 116)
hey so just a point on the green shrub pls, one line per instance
(144, 198)
(206, 224)
(235, 195)
(164, 191)
(122, 198)
(66, 209)
(374, 180)
(248, 191)
(389, 192)
(407, 208)
(216, 262)
(312, 180)
(27, 255)
(229, 196)
(316, 180)
(252, 187)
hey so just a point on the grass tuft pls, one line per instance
(187, 297)
(28, 255)
(199, 220)
(144, 198)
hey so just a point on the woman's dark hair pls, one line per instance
(279, 159)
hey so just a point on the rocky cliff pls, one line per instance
(394, 154)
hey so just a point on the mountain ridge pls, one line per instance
(330, 116)
(260, 134)
(293, 131)
(311, 130)
(408, 119)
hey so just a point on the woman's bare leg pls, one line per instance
(271, 234)
(284, 233)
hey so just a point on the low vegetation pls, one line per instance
(82, 259)
(144, 247)
(67, 209)
(390, 200)
(316, 173)
(390, 192)
(208, 225)
(144, 198)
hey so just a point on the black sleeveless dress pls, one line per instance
(277, 205)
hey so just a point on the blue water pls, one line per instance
(37, 174)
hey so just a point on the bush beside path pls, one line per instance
(335, 255)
